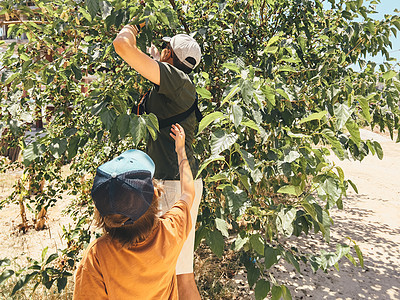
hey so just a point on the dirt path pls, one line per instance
(372, 219)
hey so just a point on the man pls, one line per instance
(172, 94)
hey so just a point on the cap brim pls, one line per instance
(166, 39)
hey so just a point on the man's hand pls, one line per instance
(129, 32)
(178, 134)
(153, 51)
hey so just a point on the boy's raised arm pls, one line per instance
(186, 177)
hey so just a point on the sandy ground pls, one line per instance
(371, 218)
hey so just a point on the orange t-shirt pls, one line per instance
(144, 271)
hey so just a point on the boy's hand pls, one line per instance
(178, 134)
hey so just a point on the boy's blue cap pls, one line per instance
(124, 185)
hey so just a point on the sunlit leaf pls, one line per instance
(314, 116)
(208, 119)
(222, 226)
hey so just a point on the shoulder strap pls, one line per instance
(182, 116)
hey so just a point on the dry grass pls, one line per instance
(216, 277)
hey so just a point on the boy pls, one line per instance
(136, 257)
(173, 93)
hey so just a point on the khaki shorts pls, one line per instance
(172, 193)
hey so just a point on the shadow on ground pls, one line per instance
(380, 244)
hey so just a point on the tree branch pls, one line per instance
(173, 4)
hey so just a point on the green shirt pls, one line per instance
(175, 94)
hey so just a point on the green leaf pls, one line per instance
(262, 289)
(378, 149)
(221, 141)
(123, 124)
(365, 108)
(291, 156)
(107, 118)
(217, 177)
(340, 173)
(353, 185)
(93, 7)
(273, 40)
(253, 273)
(314, 116)
(22, 282)
(232, 66)
(208, 161)
(331, 186)
(333, 140)
(271, 256)
(342, 250)
(32, 152)
(271, 50)
(19, 285)
(276, 292)
(61, 283)
(231, 93)
(152, 125)
(342, 114)
(239, 242)
(247, 157)
(4, 262)
(58, 147)
(44, 251)
(208, 119)
(138, 129)
(51, 258)
(289, 257)
(291, 190)
(359, 255)
(269, 93)
(5, 275)
(201, 233)
(85, 14)
(286, 293)
(351, 259)
(222, 226)
(283, 94)
(73, 146)
(389, 75)
(216, 242)
(251, 124)
(234, 199)
(257, 242)
(286, 69)
(237, 115)
(203, 92)
(105, 9)
(354, 131)
(77, 72)
(284, 221)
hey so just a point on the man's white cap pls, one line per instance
(184, 47)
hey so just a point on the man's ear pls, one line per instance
(170, 53)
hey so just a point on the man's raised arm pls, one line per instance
(125, 46)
